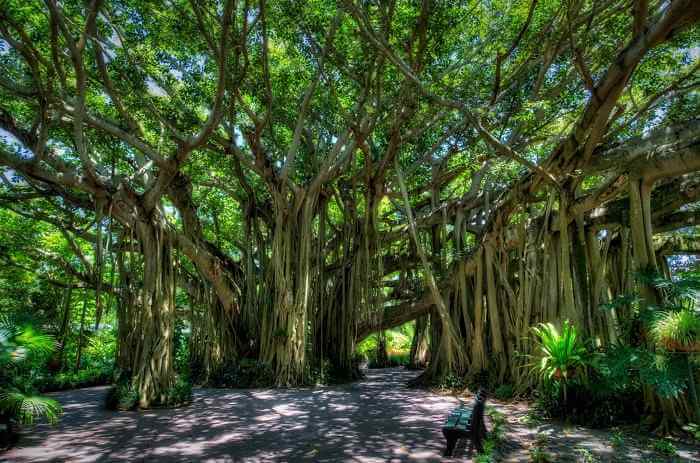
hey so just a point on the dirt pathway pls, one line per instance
(376, 420)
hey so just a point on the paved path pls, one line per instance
(375, 420)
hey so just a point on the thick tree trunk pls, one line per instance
(285, 321)
(419, 345)
(478, 347)
(381, 355)
(671, 411)
(152, 332)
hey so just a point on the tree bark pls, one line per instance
(153, 369)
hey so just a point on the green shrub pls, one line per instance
(617, 439)
(23, 353)
(588, 405)
(677, 330)
(101, 350)
(598, 389)
(665, 447)
(87, 377)
(122, 396)
(586, 456)
(496, 436)
(498, 423)
(178, 394)
(533, 417)
(538, 452)
(539, 455)
(693, 429)
(25, 408)
(398, 343)
(395, 359)
(504, 392)
(183, 363)
(246, 373)
(367, 347)
(625, 369)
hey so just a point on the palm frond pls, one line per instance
(26, 409)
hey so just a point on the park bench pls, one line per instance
(466, 422)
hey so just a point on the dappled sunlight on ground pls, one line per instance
(376, 420)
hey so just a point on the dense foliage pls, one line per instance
(23, 351)
(607, 386)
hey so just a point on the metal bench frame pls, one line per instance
(466, 423)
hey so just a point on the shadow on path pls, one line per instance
(376, 420)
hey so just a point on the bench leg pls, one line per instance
(451, 443)
(477, 441)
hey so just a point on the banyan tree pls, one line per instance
(290, 177)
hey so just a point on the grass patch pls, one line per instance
(494, 438)
(586, 456)
(504, 392)
(538, 451)
(617, 439)
(533, 418)
(664, 447)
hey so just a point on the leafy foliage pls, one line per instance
(122, 396)
(243, 374)
(20, 345)
(22, 349)
(677, 330)
(27, 408)
(617, 373)
(398, 344)
(178, 394)
(562, 355)
(148, 80)
(504, 392)
(87, 377)
(664, 447)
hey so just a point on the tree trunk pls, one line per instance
(127, 309)
(81, 334)
(65, 324)
(418, 344)
(153, 372)
(284, 323)
(382, 357)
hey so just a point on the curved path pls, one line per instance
(378, 419)
(375, 420)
